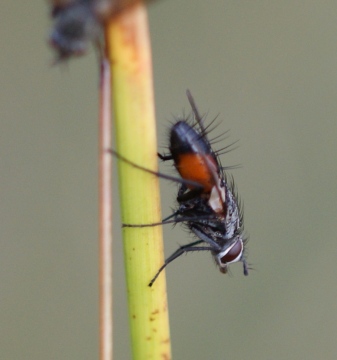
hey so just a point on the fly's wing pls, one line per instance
(217, 200)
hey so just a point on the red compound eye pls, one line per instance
(233, 254)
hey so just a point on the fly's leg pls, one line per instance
(182, 250)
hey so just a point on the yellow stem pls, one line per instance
(130, 57)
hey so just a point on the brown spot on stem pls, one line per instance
(165, 356)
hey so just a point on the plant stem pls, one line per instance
(105, 214)
(130, 57)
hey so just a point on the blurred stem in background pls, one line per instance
(128, 49)
(105, 214)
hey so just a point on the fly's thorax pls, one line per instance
(225, 205)
(185, 139)
(218, 213)
(233, 216)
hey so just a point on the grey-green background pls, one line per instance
(269, 68)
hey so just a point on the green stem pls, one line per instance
(130, 56)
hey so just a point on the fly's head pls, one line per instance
(232, 252)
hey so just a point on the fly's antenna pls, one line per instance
(196, 112)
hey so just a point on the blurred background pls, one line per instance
(269, 69)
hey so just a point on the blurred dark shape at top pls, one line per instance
(76, 23)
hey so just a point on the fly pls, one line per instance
(76, 23)
(207, 201)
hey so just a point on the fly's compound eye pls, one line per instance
(231, 255)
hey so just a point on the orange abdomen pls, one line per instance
(198, 168)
